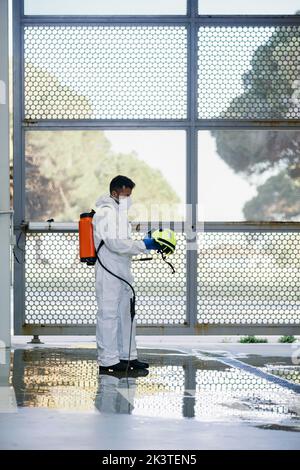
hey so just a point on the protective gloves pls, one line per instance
(151, 244)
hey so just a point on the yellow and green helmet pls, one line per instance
(167, 240)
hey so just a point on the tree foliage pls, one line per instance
(271, 88)
(66, 171)
(276, 199)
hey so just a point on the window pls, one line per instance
(250, 175)
(66, 171)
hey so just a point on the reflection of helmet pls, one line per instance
(167, 240)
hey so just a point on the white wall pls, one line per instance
(4, 181)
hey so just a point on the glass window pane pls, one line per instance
(251, 175)
(255, 7)
(66, 172)
(249, 72)
(139, 74)
(105, 7)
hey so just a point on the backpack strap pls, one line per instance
(100, 246)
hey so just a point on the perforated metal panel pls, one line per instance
(47, 377)
(161, 393)
(249, 278)
(104, 72)
(235, 393)
(291, 373)
(161, 295)
(60, 290)
(248, 72)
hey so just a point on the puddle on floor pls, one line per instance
(177, 386)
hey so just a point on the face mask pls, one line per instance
(125, 202)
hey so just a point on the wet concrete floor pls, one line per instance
(221, 399)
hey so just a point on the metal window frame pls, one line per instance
(191, 125)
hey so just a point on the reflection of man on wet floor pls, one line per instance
(116, 392)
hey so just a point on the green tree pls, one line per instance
(41, 196)
(271, 90)
(41, 101)
(66, 171)
(276, 199)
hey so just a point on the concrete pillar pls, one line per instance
(5, 307)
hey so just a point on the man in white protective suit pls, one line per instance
(110, 224)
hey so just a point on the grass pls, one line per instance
(287, 339)
(252, 339)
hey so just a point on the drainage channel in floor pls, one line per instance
(264, 391)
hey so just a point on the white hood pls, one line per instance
(105, 200)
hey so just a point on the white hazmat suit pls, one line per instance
(110, 224)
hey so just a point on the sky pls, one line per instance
(221, 192)
(163, 150)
